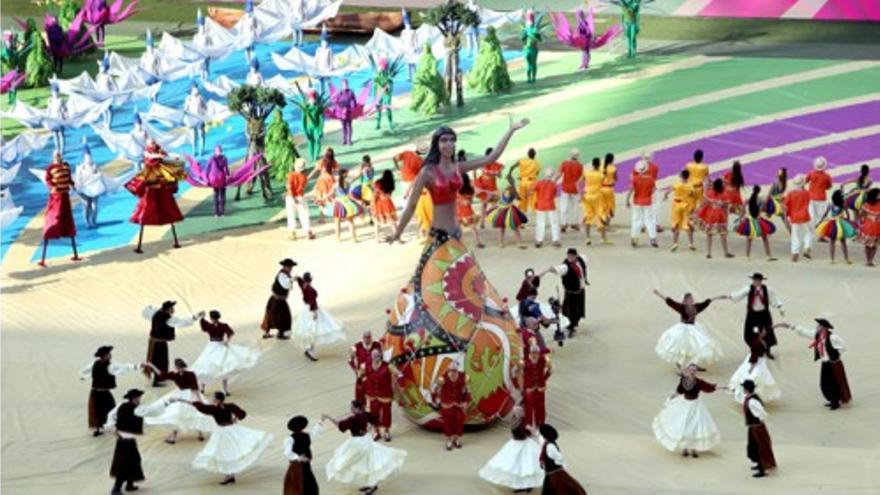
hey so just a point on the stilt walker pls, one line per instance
(299, 479)
(129, 421)
(531, 36)
(162, 331)
(155, 186)
(59, 214)
(277, 314)
(827, 347)
(359, 358)
(684, 423)
(759, 300)
(452, 396)
(176, 415)
(103, 373)
(759, 447)
(536, 371)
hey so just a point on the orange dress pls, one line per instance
(734, 196)
(383, 206)
(869, 232)
(487, 182)
(326, 184)
(464, 209)
(713, 212)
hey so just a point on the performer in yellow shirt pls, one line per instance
(594, 202)
(609, 172)
(683, 201)
(699, 172)
(529, 170)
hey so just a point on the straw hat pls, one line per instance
(641, 166)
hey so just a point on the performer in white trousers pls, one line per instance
(295, 201)
(545, 208)
(797, 204)
(819, 183)
(640, 200)
(572, 173)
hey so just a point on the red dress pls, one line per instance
(59, 215)
(360, 359)
(383, 206)
(464, 210)
(380, 394)
(534, 387)
(155, 185)
(869, 232)
(713, 213)
(732, 193)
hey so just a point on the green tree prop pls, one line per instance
(38, 64)
(489, 74)
(429, 90)
(451, 19)
(67, 13)
(255, 104)
(280, 149)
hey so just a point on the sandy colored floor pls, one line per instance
(608, 385)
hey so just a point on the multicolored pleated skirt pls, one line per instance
(755, 228)
(507, 217)
(836, 229)
(855, 199)
(773, 206)
(345, 207)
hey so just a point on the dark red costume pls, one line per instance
(360, 359)
(535, 376)
(453, 396)
(59, 215)
(379, 393)
(155, 186)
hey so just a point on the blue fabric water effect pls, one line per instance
(114, 229)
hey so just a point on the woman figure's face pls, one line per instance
(447, 146)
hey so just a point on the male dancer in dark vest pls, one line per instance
(162, 331)
(573, 271)
(129, 419)
(759, 298)
(277, 314)
(759, 448)
(827, 348)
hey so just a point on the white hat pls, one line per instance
(800, 180)
(575, 152)
(820, 163)
(299, 163)
(548, 173)
(647, 155)
(641, 166)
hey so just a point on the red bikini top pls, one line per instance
(444, 188)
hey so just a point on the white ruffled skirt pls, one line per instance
(684, 343)
(685, 424)
(765, 384)
(323, 330)
(232, 449)
(218, 361)
(517, 465)
(363, 462)
(183, 417)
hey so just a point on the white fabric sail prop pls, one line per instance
(304, 14)
(166, 67)
(127, 88)
(80, 111)
(322, 65)
(9, 213)
(222, 85)
(22, 146)
(214, 112)
(130, 145)
(214, 46)
(408, 46)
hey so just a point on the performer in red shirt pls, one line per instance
(409, 163)
(155, 185)
(452, 394)
(797, 208)
(640, 199)
(59, 216)
(359, 358)
(535, 372)
(545, 208)
(295, 201)
(572, 172)
(869, 224)
(819, 183)
(380, 394)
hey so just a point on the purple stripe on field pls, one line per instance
(874, 174)
(751, 139)
(850, 151)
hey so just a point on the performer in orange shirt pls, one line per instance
(819, 183)
(59, 215)
(640, 199)
(384, 210)
(545, 208)
(653, 171)
(325, 187)
(713, 217)
(869, 230)
(409, 163)
(529, 171)
(571, 171)
(486, 187)
(797, 208)
(295, 201)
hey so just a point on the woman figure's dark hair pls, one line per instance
(609, 159)
(698, 156)
(873, 196)
(466, 187)
(386, 182)
(433, 157)
(685, 174)
(782, 178)
(597, 162)
(864, 170)
(737, 175)
(837, 199)
(755, 202)
(718, 185)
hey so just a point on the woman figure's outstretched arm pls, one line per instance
(496, 151)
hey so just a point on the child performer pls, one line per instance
(506, 215)
(753, 226)
(384, 211)
(713, 217)
(682, 207)
(464, 209)
(837, 227)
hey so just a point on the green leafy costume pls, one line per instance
(38, 64)
(489, 74)
(429, 88)
(631, 19)
(280, 149)
(67, 13)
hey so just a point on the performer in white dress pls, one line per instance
(360, 460)
(684, 423)
(220, 360)
(177, 415)
(314, 326)
(232, 447)
(755, 368)
(517, 465)
(687, 341)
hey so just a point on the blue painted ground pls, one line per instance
(114, 228)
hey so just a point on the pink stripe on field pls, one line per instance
(747, 8)
(850, 10)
